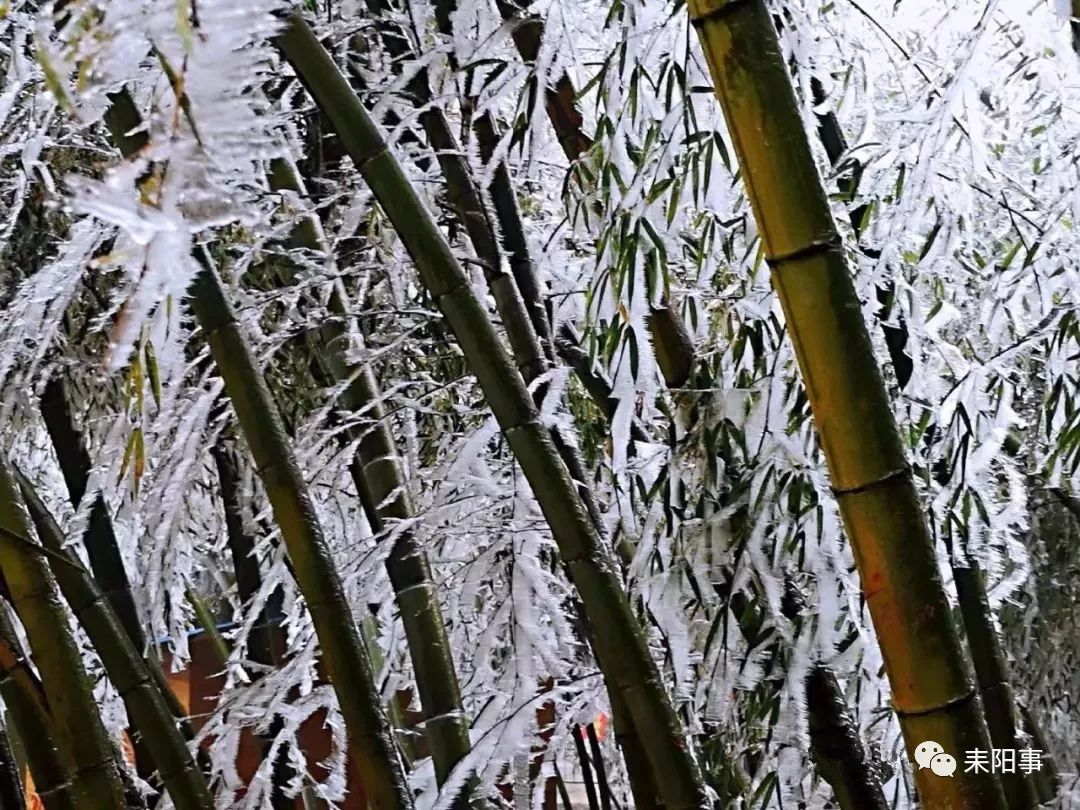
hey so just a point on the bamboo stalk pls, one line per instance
(102, 551)
(347, 664)
(25, 701)
(671, 339)
(80, 734)
(379, 478)
(836, 747)
(261, 641)
(1047, 779)
(515, 244)
(992, 677)
(147, 708)
(465, 198)
(586, 768)
(11, 788)
(619, 645)
(928, 668)
(106, 562)
(370, 737)
(982, 638)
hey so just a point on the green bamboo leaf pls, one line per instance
(152, 372)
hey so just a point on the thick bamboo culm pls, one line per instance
(983, 640)
(79, 733)
(348, 667)
(129, 673)
(621, 651)
(930, 674)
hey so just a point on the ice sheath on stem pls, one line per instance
(348, 667)
(930, 674)
(620, 646)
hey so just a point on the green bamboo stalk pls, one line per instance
(11, 787)
(1048, 778)
(371, 741)
(992, 676)
(619, 643)
(836, 747)
(261, 641)
(102, 550)
(80, 734)
(928, 668)
(147, 708)
(106, 562)
(347, 664)
(672, 343)
(379, 478)
(25, 701)
(464, 196)
(377, 471)
(516, 246)
(261, 648)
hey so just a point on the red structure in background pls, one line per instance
(204, 682)
(199, 684)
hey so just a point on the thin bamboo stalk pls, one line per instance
(348, 666)
(101, 548)
(106, 562)
(146, 706)
(260, 644)
(586, 768)
(380, 481)
(464, 196)
(80, 734)
(672, 343)
(619, 643)
(992, 676)
(929, 671)
(516, 246)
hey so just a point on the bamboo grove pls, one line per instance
(482, 404)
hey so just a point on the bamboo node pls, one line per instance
(971, 694)
(893, 475)
(816, 248)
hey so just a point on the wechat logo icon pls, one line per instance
(931, 755)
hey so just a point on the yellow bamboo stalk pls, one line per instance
(933, 691)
